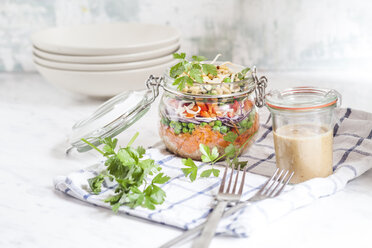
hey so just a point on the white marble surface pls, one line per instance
(36, 119)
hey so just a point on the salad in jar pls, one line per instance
(203, 102)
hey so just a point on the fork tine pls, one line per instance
(223, 180)
(284, 184)
(231, 176)
(273, 183)
(242, 182)
(236, 179)
(267, 182)
(279, 183)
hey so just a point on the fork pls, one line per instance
(223, 197)
(273, 187)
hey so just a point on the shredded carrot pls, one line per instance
(187, 143)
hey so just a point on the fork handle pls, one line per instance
(210, 227)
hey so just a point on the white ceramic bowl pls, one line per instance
(101, 84)
(103, 67)
(105, 39)
(120, 58)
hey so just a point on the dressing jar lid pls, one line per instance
(302, 98)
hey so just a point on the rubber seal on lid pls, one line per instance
(302, 98)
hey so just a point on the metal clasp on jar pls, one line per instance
(261, 84)
(153, 84)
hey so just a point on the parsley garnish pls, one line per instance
(212, 156)
(187, 72)
(241, 75)
(127, 168)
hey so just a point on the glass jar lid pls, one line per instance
(112, 117)
(302, 98)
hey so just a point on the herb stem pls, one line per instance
(219, 158)
(93, 146)
(133, 139)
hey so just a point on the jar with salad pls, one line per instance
(204, 101)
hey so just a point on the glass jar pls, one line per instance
(303, 119)
(205, 113)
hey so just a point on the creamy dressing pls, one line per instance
(305, 149)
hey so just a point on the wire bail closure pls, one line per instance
(261, 84)
(153, 84)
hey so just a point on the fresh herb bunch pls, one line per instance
(187, 72)
(191, 70)
(212, 156)
(127, 168)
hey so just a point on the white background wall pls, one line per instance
(272, 34)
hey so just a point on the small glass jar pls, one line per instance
(205, 113)
(303, 119)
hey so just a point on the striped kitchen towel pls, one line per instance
(188, 204)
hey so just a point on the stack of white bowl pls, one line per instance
(106, 59)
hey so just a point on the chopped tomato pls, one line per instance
(204, 114)
(202, 106)
(230, 115)
(235, 106)
(188, 115)
(212, 108)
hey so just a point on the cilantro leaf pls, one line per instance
(209, 69)
(147, 164)
(207, 155)
(179, 55)
(187, 66)
(157, 195)
(109, 145)
(227, 80)
(245, 70)
(230, 150)
(114, 198)
(214, 153)
(141, 151)
(196, 66)
(148, 204)
(95, 183)
(135, 197)
(160, 179)
(192, 171)
(196, 74)
(125, 157)
(198, 58)
(216, 172)
(230, 137)
(241, 163)
(182, 81)
(177, 70)
(115, 167)
(206, 173)
(115, 207)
